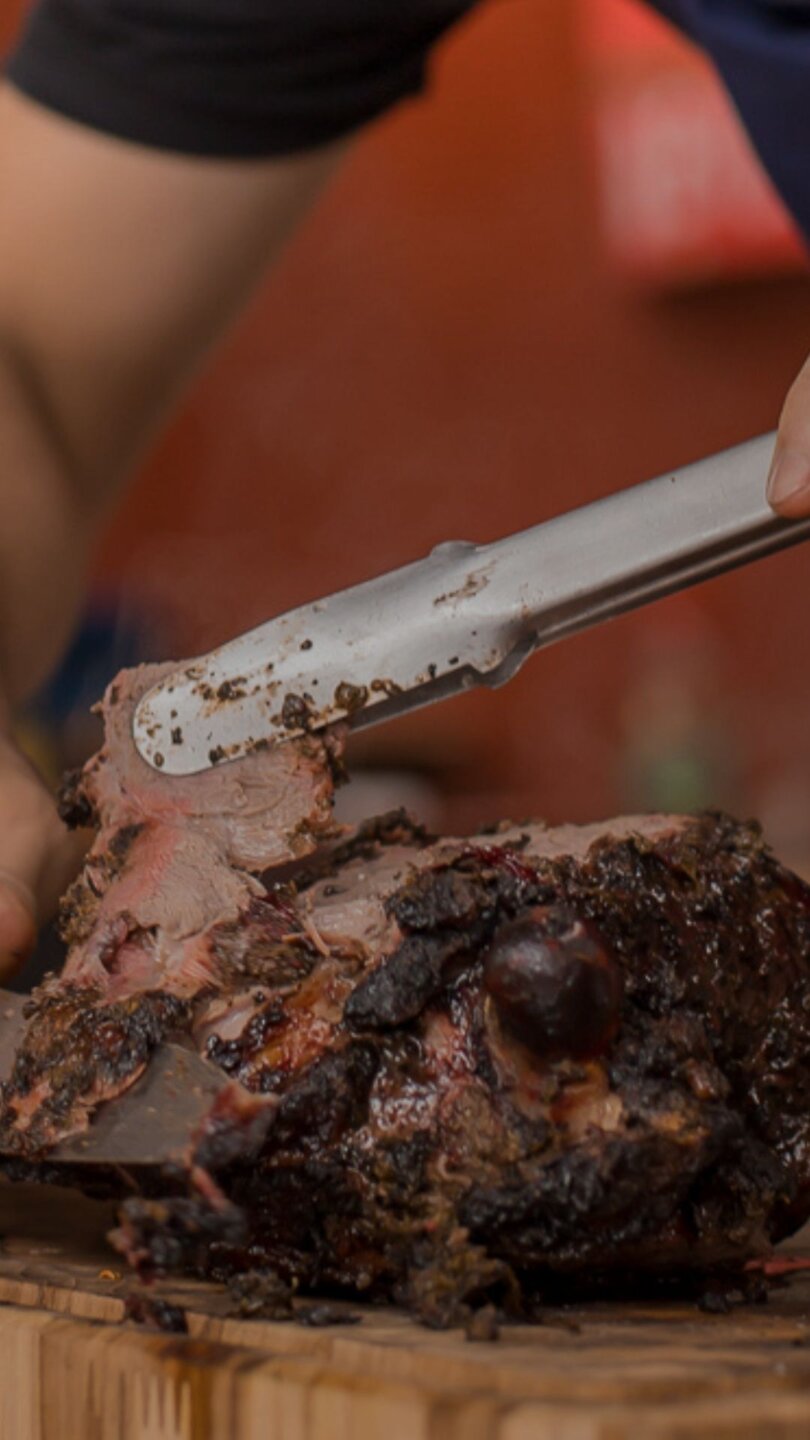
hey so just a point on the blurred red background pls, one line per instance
(450, 349)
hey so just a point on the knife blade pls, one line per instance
(466, 615)
(151, 1123)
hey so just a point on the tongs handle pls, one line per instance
(643, 543)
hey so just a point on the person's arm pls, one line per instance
(119, 267)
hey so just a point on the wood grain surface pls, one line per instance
(71, 1368)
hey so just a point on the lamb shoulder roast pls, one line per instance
(494, 1066)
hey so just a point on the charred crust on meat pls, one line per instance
(233, 1130)
(77, 910)
(79, 1045)
(257, 946)
(438, 899)
(395, 827)
(73, 803)
(592, 1200)
(78, 907)
(159, 1237)
(120, 846)
(334, 742)
(237, 1057)
(447, 913)
(330, 1098)
(451, 1282)
(402, 984)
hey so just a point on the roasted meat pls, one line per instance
(528, 1059)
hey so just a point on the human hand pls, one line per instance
(789, 478)
(38, 856)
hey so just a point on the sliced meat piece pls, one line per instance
(174, 868)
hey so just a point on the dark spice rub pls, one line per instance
(534, 1059)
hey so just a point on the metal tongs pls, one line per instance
(466, 615)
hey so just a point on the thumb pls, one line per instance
(789, 478)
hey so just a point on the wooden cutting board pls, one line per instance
(71, 1370)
